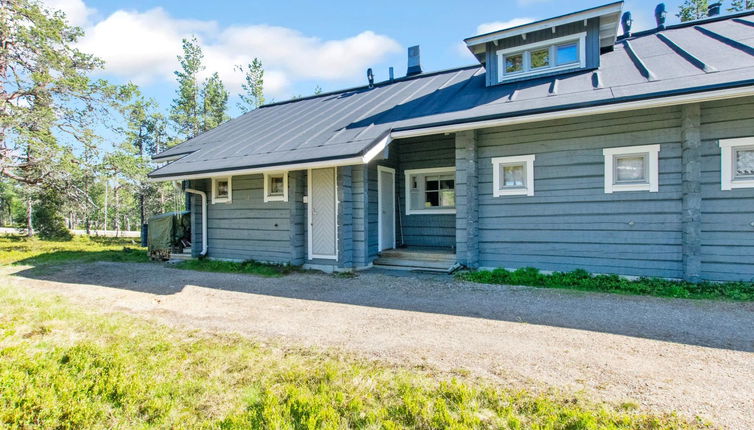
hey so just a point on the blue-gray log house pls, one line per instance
(574, 143)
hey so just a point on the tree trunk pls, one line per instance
(117, 215)
(104, 225)
(29, 227)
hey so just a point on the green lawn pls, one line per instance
(584, 281)
(33, 251)
(64, 367)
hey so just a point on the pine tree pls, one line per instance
(215, 103)
(740, 5)
(692, 9)
(186, 109)
(44, 88)
(253, 86)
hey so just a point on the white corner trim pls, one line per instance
(228, 199)
(380, 245)
(727, 179)
(267, 196)
(653, 172)
(433, 211)
(527, 161)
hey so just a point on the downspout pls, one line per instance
(204, 214)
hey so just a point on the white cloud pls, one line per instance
(142, 46)
(489, 27)
(76, 12)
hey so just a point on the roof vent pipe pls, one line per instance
(391, 73)
(414, 61)
(370, 77)
(714, 9)
(661, 14)
(626, 21)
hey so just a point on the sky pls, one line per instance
(302, 44)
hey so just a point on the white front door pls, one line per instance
(386, 207)
(323, 214)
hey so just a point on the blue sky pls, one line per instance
(301, 43)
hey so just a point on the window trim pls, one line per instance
(426, 211)
(497, 181)
(728, 180)
(525, 50)
(653, 172)
(215, 198)
(267, 196)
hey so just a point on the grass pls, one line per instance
(33, 251)
(63, 367)
(584, 281)
(249, 267)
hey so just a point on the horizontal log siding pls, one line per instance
(727, 233)
(424, 153)
(570, 222)
(358, 192)
(249, 228)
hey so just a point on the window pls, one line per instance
(633, 168)
(276, 187)
(431, 191)
(737, 163)
(222, 190)
(556, 54)
(513, 176)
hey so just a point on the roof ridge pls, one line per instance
(685, 24)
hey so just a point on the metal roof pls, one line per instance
(687, 58)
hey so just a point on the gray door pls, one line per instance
(387, 208)
(323, 214)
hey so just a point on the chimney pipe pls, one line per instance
(714, 9)
(414, 61)
(391, 72)
(626, 21)
(660, 16)
(370, 77)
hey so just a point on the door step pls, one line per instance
(426, 259)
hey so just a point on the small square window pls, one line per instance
(222, 190)
(632, 168)
(737, 163)
(540, 58)
(514, 63)
(744, 163)
(513, 176)
(276, 187)
(567, 54)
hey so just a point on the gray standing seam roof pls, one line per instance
(691, 57)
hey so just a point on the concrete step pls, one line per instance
(420, 255)
(442, 265)
(180, 257)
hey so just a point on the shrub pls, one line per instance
(47, 219)
(582, 280)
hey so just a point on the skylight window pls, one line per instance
(564, 53)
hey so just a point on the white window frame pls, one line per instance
(525, 50)
(215, 198)
(728, 149)
(653, 172)
(497, 180)
(426, 211)
(271, 198)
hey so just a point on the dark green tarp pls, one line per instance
(166, 231)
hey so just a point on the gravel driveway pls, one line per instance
(694, 357)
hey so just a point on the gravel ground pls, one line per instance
(694, 357)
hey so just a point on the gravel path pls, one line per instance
(695, 357)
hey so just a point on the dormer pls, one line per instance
(549, 47)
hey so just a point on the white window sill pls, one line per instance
(616, 188)
(275, 199)
(513, 192)
(218, 200)
(742, 183)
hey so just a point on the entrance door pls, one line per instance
(323, 214)
(386, 207)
